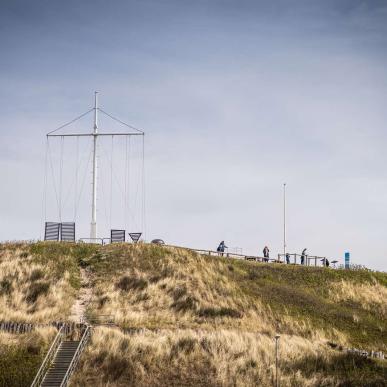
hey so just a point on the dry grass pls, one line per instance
(370, 296)
(22, 354)
(192, 358)
(30, 290)
(181, 289)
(160, 288)
(205, 321)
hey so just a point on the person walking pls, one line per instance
(221, 248)
(266, 252)
(303, 256)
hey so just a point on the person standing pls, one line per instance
(266, 252)
(303, 256)
(287, 258)
(221, 248)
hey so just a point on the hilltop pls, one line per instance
(180, 318)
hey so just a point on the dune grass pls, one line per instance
(218, 358)
(156, 287)
(39, 282)
(197, 320)
(21, 356)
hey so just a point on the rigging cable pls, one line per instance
(76, 179)
(70, 122)
(121, 189)
(61, 177)
(44, 199)
(52, 173)
(73, 183)
(84, 178)
(103, 196)
(127, 182)
(143, 189)
(111, 183)
(121, 122)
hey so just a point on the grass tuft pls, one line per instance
(131, 283)
(36, 290)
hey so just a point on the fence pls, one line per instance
(228, 254)
(307, 260)
(18, 327)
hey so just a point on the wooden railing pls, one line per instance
(16, 327)
(48, 359)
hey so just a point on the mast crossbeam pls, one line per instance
(94, 134)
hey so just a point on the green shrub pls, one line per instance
(347, 369)
(18, 365)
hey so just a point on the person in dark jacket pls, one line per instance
(266, 252)
(221, 248)
(287, 258)
(303, 256)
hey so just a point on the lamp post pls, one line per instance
(276, 359)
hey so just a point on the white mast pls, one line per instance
(93, 225)
(95, 134)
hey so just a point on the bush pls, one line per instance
(185, 304)
(185, 344)
(36, 274)
(219, 312)
(37, 289)
(114, 367)
(5, 286)
(127, 283)
(18, 366)
(102, 301)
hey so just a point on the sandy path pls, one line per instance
(78, 310)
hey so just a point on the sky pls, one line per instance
(236, 98)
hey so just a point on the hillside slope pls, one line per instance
(185, 319)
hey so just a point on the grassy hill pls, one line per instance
(185, 319)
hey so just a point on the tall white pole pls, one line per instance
(93, 225)
(284, 220)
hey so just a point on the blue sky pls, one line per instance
(236, 97)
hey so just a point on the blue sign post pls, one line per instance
(347, 256)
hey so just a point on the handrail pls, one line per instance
(47, 360)
(95, 240)
(77, 354)
(307, 258)
(226, 254)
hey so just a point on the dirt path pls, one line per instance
(78, 310)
